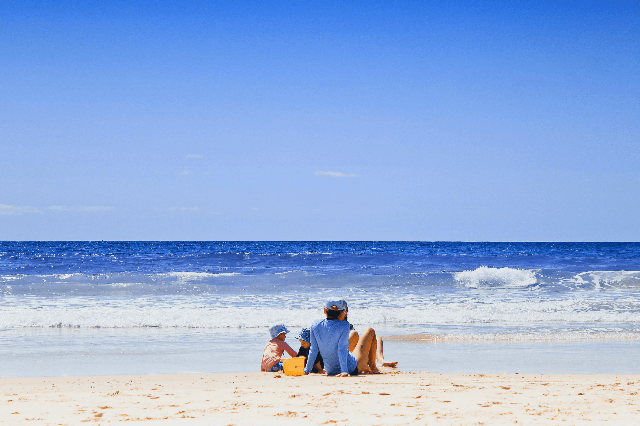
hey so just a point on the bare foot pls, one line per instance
(390, 364)
(370, 370)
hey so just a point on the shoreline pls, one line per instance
(123, 352)
(516, 337)
(269, 398)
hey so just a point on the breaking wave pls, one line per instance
(496, 277)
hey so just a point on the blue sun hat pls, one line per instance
(305, 334)
(336, 305)
(277, 330)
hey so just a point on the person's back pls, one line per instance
(330, 337)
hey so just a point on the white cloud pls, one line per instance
(193, 156)
(81, 208)
(338, 174)
(185, 209)
(184, 173)
(7, 209)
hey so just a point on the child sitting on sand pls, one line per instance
(274, 349)
(305, 337)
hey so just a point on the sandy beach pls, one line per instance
(394, 398)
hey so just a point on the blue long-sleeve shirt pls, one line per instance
(331, 339)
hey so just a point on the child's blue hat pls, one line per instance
(277, 330)
(336, 305)
(305, 334)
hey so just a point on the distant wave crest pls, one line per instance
(497, 277)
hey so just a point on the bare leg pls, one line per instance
(353, 340)
(380, 354)
(365, 352)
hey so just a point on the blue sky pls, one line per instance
(289, 120)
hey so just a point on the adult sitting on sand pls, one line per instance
(330, 337)
(354, 338)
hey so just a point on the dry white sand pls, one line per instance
(268, 398)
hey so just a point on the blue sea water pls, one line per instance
(152, 307)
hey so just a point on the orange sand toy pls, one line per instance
(294, 366)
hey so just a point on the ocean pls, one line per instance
(92, 308)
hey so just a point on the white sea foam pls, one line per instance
(233, 301)
(65, 276)
(191, 276)
(602, 279)
(496, 277)
(7, 278)
(289, 272)
(255, 312)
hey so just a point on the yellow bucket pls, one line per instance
(294, 366)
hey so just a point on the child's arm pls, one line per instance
(290, 351)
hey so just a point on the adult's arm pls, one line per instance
(313, 353)
(343, 350)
